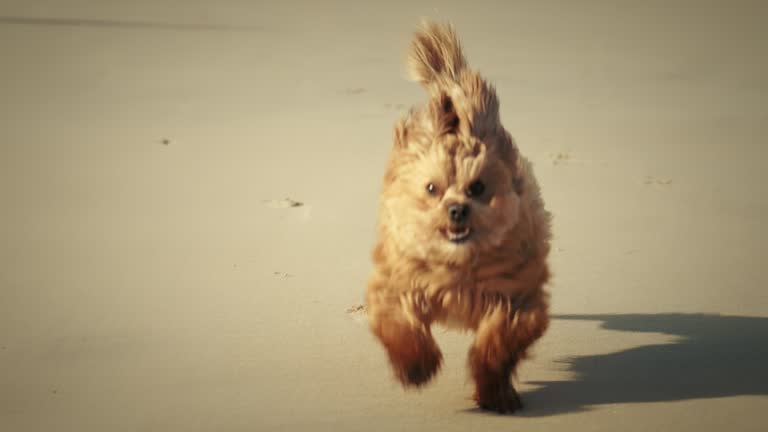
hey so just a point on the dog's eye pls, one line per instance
(432, 189)
(476, 189)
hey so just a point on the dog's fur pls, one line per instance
(493, 281)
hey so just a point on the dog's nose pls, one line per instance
(458, 212)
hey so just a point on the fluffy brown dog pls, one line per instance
(463, 236)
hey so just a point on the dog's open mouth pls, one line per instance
(457, 234)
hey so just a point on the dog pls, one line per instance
(462, 233)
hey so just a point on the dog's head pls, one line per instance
(451, 189)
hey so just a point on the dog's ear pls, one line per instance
(445, 119)
(481, 105)
(435, 54)
(416, 129)
(408, 132)
(401, 134)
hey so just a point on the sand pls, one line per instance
(188, 194)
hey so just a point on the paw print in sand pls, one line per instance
(357, 313)
(650, 180)
(283, 203)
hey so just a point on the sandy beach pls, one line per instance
(189, 190)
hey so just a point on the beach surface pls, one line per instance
(189, 191)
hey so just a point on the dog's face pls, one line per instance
(450, 190)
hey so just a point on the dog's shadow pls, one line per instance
(717, 356)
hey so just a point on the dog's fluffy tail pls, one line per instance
(435, 54)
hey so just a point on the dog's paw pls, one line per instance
(421, 370)
(415, 362)
(501, 399)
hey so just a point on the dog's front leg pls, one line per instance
(405, 333)
(503, 337)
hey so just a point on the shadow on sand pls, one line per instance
(717, 356)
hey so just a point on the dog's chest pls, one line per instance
(458, 300)
(455, 300)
